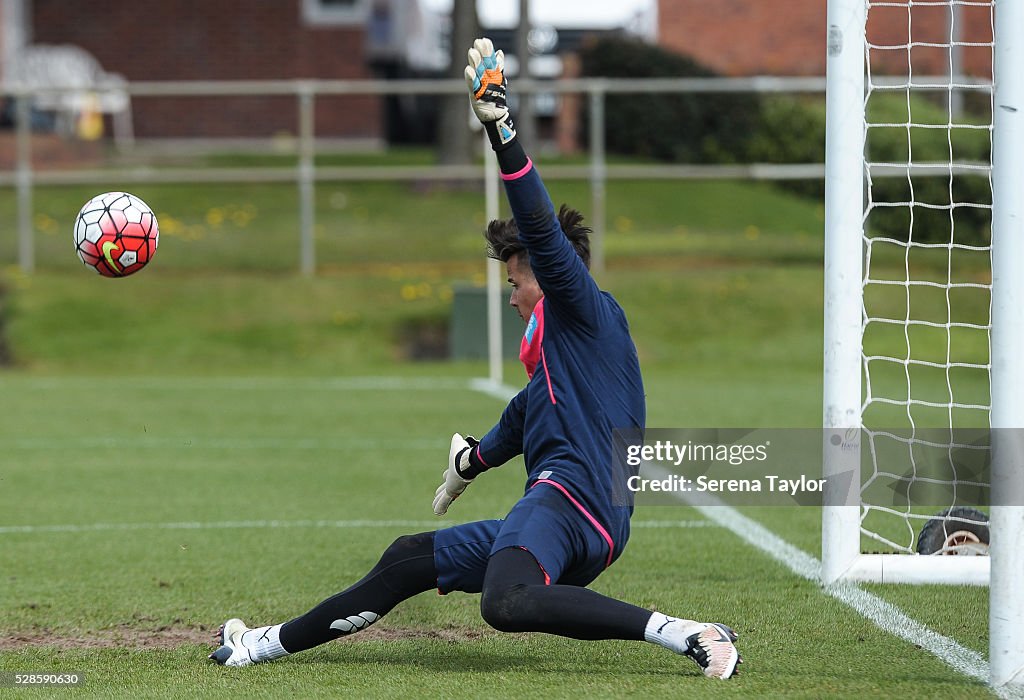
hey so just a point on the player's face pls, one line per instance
(525, 290)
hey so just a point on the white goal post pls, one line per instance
(898, 347)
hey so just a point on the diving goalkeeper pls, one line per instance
(531, 568)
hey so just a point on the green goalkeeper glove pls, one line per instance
(454, 483)
(485, 76)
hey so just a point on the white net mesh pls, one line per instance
(927, 265)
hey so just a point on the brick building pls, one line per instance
(156, 40)
(787, 37)
(159, 40)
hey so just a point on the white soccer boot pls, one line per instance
(232, 652)
(714, 651)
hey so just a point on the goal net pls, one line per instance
(909, 285)
(927, 275)
(924, 301)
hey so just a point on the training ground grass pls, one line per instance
(199, 450)
(211, 389)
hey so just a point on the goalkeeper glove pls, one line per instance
(485, 76)
(454, 482)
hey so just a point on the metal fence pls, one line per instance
(306, 173)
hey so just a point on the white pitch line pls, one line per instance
(223, 525)
(880, 612)
(883, 614)
(502, 392)
(137, 442)
(256, 383)
(281, 524)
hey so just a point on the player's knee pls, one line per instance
(408, 546)
(507, 608)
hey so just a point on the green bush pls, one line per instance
(930, 220)
(744, 128)
(683, 128)
(792, 130)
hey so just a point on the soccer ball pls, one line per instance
(116, 234)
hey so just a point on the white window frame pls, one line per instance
(315, 12)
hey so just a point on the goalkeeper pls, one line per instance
(584, 381)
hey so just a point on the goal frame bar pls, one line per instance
(842, 559)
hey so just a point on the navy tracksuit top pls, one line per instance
(587, 379)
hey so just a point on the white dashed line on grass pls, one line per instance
(283, 524)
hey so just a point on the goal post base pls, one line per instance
(919, 569)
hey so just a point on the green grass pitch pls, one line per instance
(212, 439)
(154, 477)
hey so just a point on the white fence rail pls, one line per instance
(306, 173)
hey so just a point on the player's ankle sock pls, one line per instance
(264, 643)
(671, 632)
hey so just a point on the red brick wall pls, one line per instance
(217, 40)
(747, 37)
(787, 37)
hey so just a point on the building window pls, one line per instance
(335, 12)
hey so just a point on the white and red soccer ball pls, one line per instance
(116, 234)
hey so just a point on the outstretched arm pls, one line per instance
(561, 273)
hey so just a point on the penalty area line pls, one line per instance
(881, 613)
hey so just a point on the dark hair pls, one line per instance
(503, 236)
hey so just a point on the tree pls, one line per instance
(524, 114)
(456, 142)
